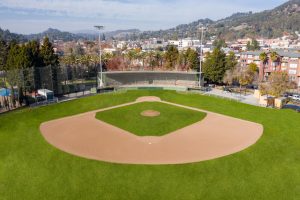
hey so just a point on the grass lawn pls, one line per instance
(171, 118)
(30, 168)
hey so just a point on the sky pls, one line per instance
(33, 16)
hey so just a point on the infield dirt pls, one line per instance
(213, 137)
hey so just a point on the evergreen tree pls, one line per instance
(193, 60)
(171, 56)
(3, 54)
(253, 45)
(249, 46)
(36, 62)
(221, 43)
(13, 56)
(231, 61)
(13, 66)
(50, 59)
(214, 66)
(47, 53)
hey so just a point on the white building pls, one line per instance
(186, 43)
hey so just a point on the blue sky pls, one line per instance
(32, 16)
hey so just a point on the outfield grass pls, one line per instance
(171, 118)
(30, 168)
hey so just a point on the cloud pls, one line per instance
(143, 14)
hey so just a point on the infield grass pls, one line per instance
(171, 118)
(30, 168)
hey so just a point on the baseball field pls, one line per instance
(33, 168)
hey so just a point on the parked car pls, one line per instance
(296, 97)
(254, 87)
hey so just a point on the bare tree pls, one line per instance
(279, 83)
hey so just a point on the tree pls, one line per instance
(231, 61)
(13, 56)
(214, 66)
(142, 56)
(106, 57)
(159, 56)
(116, 63)
(47, 53)
(274, 56)
(279, 83)
(152, 61)
(253, 45)
(131, 55)
(230, 76)
(79, 51)
(183, 59)
(221, 43)
(3, 54)
(13, 66)
(247, 75)
(232, 73)
(264, 88)
(171, 56)
(36, 62)
(193, 60)
(264, 59)
(253, 68)
(50, 59)
(275, 59)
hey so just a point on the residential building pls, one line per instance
(288, 62)
(186, 43)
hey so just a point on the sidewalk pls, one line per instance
(248, 99)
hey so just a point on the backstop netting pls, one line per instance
(150, 78)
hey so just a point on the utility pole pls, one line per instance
(201, 28)
(100, 55)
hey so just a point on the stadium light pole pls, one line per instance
(100, 54)
(201, 28)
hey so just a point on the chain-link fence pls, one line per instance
(23, 84)
(68, 79)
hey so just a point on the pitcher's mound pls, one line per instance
(150, 113)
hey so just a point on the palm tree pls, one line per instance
(131, 55)
(143, 56)
(264, 59)
(151, 55)
(275, 58)
(161, 56)
(106, 57)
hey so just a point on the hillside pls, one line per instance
(118, 34)
(270, 23)
(8, 36)
(55, 34)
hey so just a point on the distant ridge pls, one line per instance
(55, 34)
(8, 36)
(268, 24)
